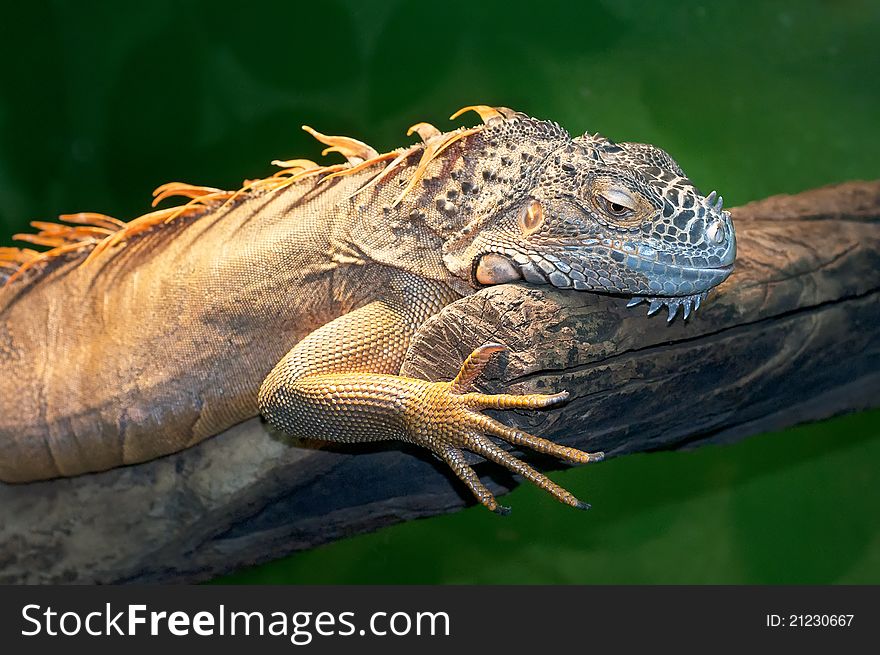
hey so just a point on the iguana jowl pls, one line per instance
(297, 296)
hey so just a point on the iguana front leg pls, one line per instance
(340, 384)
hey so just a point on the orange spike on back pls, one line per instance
(45, 226)
(364, 164)
(172, 189)
(273, 183)
(40, 240)
(279, 180)
(424, 130)
(353, 150)
(93, 218)
(486, 112)
(71, 231)
(294, 163)
(54, 235)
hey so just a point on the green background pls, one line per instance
(102, 102)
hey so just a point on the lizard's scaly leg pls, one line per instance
(338, 384)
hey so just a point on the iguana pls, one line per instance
(296, 296)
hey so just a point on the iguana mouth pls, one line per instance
(493, 268)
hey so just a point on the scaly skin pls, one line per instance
(126, 343)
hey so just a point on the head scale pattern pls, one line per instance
(618, 218)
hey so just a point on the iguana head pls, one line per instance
(618, 218)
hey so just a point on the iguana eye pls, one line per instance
(616, 203)
(619, 210)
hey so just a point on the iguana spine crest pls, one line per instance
(96, 233)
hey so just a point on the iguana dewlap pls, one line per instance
(297, 296)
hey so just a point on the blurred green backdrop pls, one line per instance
(102, 102)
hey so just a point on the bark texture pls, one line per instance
(791, 336)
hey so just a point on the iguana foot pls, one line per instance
(450, 422)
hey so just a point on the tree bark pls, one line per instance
(791, 336)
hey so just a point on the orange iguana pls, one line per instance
(297, 296)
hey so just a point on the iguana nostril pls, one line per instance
(715, 232)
